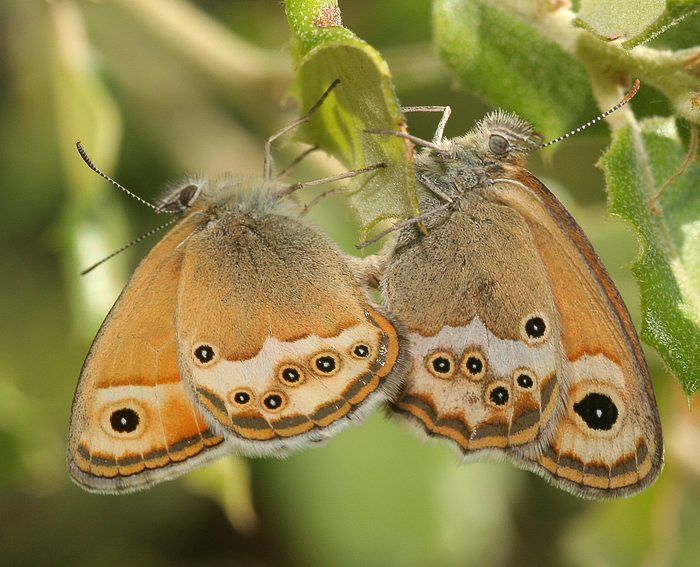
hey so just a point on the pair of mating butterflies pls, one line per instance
(245, 330)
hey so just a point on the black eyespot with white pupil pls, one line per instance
(325, 364)
(360, 350)
(204, 354)
(124, 420)
(273, 402)
(291, 375)
(499, 395)
(498, 144)
(598, 411)
(241, 398)
(535, 327)
(441, 365)
(525, 380)
(474, 365)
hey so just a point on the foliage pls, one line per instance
(532, 59)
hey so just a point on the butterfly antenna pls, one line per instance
(91, 165)
(628, 97)
(135, 241)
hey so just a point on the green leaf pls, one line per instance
(325, 51)
(509, 63)
(636, 165)
(636, 21)
(621, 19)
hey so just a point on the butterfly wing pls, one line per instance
(133, 421)
(468, 293)
(608, 439)
(275, 335)
(544, 365)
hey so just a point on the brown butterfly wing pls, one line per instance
(482, 325)
(275, 335)
(520, 342)
(133, 421)
(608, 439)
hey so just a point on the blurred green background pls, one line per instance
(159, 89)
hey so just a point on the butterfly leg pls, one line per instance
(352, 173)
(400, 225)
(446, 111)
(431, 186)
(267, 163)
(282, 174)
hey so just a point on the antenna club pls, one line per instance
(91, 165)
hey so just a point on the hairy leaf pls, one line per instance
(635, 21)
(325, 51)
(509, 63)
(638, 163)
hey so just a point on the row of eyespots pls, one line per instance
(473, 365)
(441, 364)
(499, 393)
(325, 363)
(271, 401)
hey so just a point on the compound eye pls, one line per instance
(187, 195)
(498, 144)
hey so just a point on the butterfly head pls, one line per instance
(502, 137)
(232, 193)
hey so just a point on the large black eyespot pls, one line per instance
(499, 395)
(241, 397)
(291, 374)
(498, 144)
(204, 354)
(124, 420)
(525, 380)
(273, 402)
(598, 411)
(535, 327)
(360, 350)
(326, 364)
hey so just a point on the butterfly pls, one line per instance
(520, 344)
(243, 330)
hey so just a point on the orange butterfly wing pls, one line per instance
(608, 439)
(133, 421)
(276, 336)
